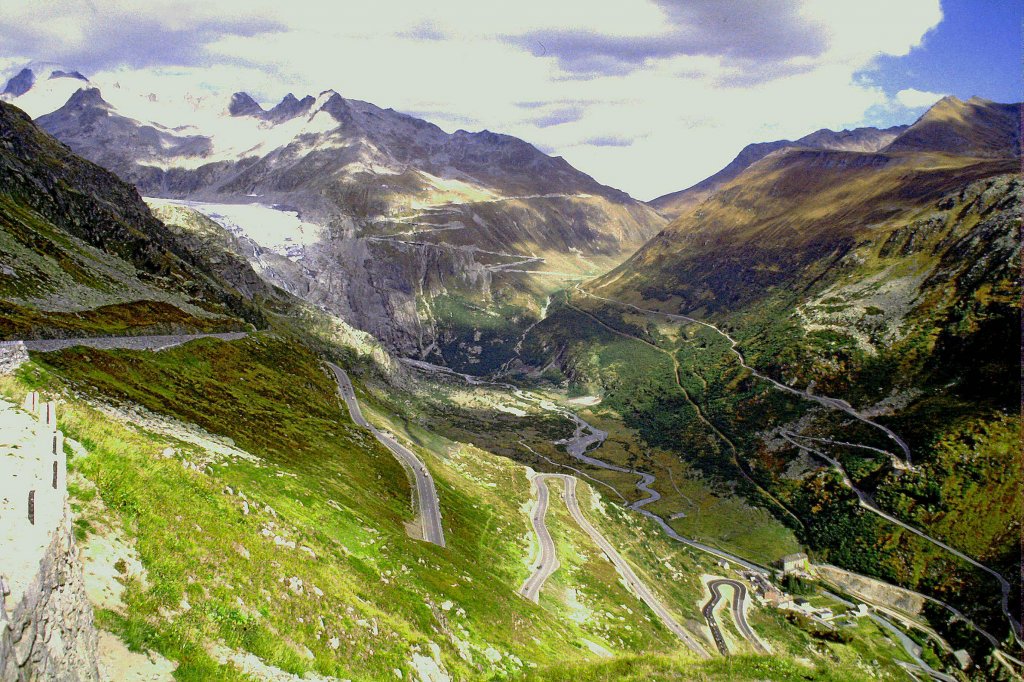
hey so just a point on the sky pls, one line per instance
(649, 96)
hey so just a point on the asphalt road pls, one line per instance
(739, 616)
(547, 559)
(586, 436)
(126, 342)
(709, 616)
(867, 503)
(426, 494)
(843, 406)
(632, 580)
(826, 401)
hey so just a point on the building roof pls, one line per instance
(799, 556)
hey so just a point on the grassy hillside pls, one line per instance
(265, 522)
(235, 523)
(310, 478)
(890, 280)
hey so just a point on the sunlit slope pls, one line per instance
(889, 280)
(786, 221)
(264, 523)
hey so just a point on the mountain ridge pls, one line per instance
(869, 139)
(887, 280)
(930, 132)
(467, 217)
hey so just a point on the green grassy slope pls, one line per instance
(332, 489)
(288, 541)
(890, 280)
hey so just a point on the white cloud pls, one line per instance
(658, 96)
(912, 98)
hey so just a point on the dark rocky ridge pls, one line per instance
(21, 83)
(95, 206)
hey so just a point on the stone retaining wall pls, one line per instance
(46, 621)
(12, 355)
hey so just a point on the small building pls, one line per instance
(963, 658)
(793, 563)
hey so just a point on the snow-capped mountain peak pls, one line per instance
(40, 87)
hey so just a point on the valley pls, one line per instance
(348, 396)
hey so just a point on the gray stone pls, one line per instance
(49, 633)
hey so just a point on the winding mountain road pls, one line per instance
(865, 501)
(739, 615)
(912, 648)
(632, 580)
(585, 436)
(697, 409)
(425, 493)
(841, 405)
(547, 559)
(826, 401)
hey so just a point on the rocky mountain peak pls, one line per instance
(337, 106)
(244, 105)
(87, 98)
(21, 83)
(290, 107)
(77, 75)
(976, 127)
(36, 72)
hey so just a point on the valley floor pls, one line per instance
(153, 456)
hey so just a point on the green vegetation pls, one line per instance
(479, 336)
(920, 318)
(643, 668)
(250, 516)
(320, 508)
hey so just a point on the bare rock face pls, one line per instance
(21, 83)
(408, 212)
(49, 634)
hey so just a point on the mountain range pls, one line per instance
(414, 234)
(828, 299)
(860, 139)
(806, 352)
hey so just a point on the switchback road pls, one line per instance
(586, 439)
(826, 401)
(425, 493)
(547, 559)
(632, 580)
(841, 405)
(739, 615)
(864, 501)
